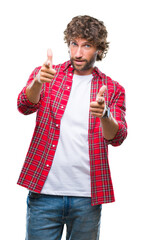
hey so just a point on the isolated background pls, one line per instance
(27, 29)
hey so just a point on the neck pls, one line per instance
(83, 72)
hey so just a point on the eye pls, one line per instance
(73, 44)
(87, 45)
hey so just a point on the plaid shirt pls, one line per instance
(50, 109)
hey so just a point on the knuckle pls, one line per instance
(41, 74)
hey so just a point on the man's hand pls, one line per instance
(46, 74)
(97, 108)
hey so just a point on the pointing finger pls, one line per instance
(49, 57)
(101, 91)
(49, 54)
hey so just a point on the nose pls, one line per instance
(78, 52)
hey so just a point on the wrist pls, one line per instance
(37, 78)
(37, 82)
(106, 112)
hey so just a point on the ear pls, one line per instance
(99, 52)
(96, 54)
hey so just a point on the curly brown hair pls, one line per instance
(91, 29)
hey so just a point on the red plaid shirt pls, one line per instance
(50, 109)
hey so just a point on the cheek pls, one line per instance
(89, 54)
(71, 51)
(92, 56)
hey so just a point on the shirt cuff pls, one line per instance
(119, 137)
(26, 100)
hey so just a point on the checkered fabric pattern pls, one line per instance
(50, 109)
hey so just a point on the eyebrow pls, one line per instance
(86, 42)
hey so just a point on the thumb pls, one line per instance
(49, 58)
(102, 91)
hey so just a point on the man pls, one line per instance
(79, 112)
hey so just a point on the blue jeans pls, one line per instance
(47, 214)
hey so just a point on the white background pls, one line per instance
(27, 29)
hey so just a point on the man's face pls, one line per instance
(82, 55)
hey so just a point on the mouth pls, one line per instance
(79, 62)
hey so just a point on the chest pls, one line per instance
(66, 92)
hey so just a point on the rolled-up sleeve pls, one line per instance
(118, 110)
(23, 104)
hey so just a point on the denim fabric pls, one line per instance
(47, 214)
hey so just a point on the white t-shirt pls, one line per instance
(70, 171)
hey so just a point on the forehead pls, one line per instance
(81, 41)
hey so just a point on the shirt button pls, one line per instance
(62, 106)
(70, 74)
(57, 125)
(68, 87)
(53, 145)
(47, 165)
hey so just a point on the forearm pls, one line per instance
(109, 127)
(33, 91)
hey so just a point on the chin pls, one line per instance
(79, 67)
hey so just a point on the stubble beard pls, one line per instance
(88, 64)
